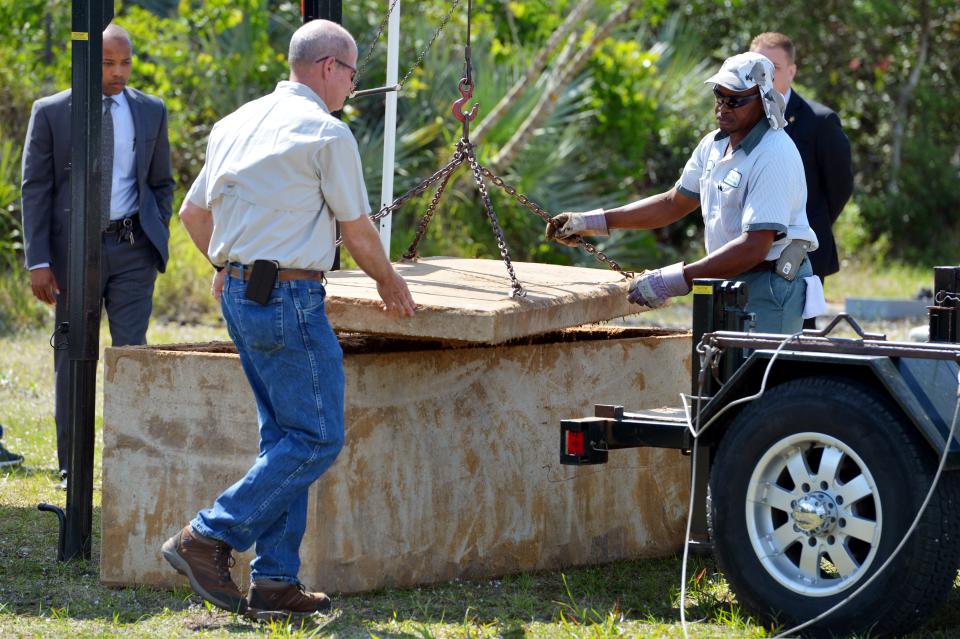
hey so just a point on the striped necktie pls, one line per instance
(106, 173)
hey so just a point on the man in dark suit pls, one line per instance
(137, 192)
(824, 149)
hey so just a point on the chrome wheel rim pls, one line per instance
(813, 514)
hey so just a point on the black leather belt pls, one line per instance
(283, 275)
(767, 266)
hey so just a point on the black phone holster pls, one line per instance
(263, 277)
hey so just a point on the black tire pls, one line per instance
(884, 469)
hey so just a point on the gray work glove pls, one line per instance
(566, 227)
(653, 288)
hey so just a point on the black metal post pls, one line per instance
(89, 20)
(945, 313)
(706, 306)
(325, 10)
(717, 305)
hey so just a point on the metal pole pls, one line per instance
(83, 289)
(390, 124)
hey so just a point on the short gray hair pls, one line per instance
(319, 39)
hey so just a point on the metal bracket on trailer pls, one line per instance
(587, 440)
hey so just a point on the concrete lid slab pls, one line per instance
(469, 300)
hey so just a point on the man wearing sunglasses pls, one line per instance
(747, 178)
(278, 173)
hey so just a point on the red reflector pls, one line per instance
(576, 444)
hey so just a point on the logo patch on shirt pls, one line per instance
(733, 178)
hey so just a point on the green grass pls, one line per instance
(862, 279)
(40, 597)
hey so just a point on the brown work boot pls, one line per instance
(206, 563)
(271, 599)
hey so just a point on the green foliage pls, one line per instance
(19, 310)
(621, 130)
(9, 196)
(182, 293)
(918, 220)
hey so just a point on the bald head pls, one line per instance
(319, 39)
(113, 33)
(117, 59)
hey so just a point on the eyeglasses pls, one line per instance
(733, 101)
(353, 69)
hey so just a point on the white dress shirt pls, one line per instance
(124, 198)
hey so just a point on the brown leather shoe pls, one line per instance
(206, 563)
(270, 599)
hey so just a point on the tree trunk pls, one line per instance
(560, 78)
(903, 100)
(529, 78)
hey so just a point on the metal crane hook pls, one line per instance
(466, 92)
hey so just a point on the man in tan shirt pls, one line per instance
(279, 172)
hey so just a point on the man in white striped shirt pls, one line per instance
(747, 178)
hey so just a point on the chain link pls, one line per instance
(372, 47)
(423, 53)
(412, 252)
(465, 153)
(488, 207)
(543, 215)
(448, 168)
(420, 57)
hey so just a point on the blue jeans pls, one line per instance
(777, 303)
(294, 364)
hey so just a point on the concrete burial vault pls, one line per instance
(451, 464)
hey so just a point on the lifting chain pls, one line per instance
(412, 253)
(543, 215)
(517, 290)
(423, 52)
(372, 47)
(444, 171)
(465, 153)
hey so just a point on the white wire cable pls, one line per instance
(696, 432)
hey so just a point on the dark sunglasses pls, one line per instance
(733, 101)
(353, 70)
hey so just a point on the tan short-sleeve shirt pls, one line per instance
(278, 172)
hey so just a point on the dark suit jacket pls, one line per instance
(825, 151)
(46, 178)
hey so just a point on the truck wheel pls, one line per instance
(813, 486)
